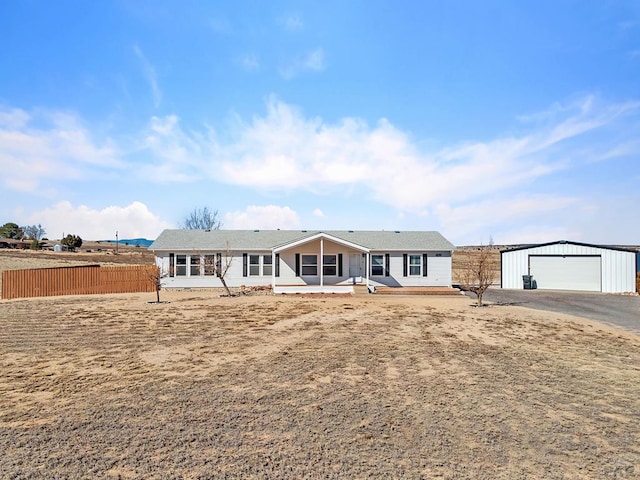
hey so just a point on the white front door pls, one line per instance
(355, 266)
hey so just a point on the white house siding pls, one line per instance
(618, 268)
(438, 269)
(233, 277)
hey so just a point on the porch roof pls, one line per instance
(317, 236)
(270, 240)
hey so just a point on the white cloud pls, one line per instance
(249, 62)
(131, 221)
(37, 149)
(150, 75)
(475, 222)
(314, 61)
(177, 156)
(318, 213)
(221, 26)
(292, 22)
(285, 150)
(14, 119)
(262, 217)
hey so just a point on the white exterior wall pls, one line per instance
(438, 269)
(618, 267)
(233, 277)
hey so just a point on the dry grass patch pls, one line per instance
(290, 387)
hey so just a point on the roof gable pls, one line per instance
(316, 236)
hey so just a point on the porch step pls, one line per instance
(417, 291)
(360, 290)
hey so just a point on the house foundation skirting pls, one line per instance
(313, 289)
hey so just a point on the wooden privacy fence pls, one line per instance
(83, 280)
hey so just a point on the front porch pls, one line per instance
(320, 264)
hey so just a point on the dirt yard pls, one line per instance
(319, 387)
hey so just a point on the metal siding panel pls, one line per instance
(515, 264)
(618, 271)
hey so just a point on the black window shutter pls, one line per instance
(339, 264)
(277, 265)
(404, 264)
(297, 264)
(172, 264)
(386, 264)
(244, 264)
(424, 264)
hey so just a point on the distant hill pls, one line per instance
(140, 242)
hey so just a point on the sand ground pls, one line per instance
(312, 387)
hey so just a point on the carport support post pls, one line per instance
(273, 271)
(321, 262)
(366, 267)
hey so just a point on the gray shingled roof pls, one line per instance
(172, 240)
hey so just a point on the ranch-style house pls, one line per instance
(303, 261)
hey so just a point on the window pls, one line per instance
(377, 264)
(181, 265)
(209, 264)
(195, 266)
(309, 265)
(415, 261)
(254, 264)
(329, 265)
(266, 265)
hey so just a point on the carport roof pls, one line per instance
(218, 240)
(561, 242)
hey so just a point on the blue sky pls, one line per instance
(516, 121)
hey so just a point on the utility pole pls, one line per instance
(116, 242)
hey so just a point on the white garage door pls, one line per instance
(570, 272)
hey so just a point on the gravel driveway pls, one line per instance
(618, 310)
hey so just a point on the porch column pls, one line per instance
(321, 262)
(368, 267)
(273, 270)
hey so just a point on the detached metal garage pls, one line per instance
(567, 265)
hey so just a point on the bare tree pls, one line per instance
(34, 232)
(219, 264)
(155, 276)
(202, 219)
(478, 272)
(223, 263)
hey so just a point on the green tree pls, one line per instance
(72, 241)
(11, 230)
